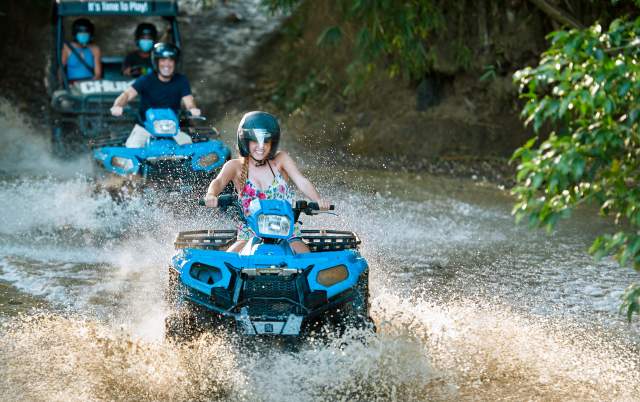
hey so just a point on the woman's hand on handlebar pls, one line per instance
(324, 204)
(211, 201)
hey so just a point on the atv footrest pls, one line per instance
(330, 240)
(212, 239)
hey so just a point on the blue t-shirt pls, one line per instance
(158, 94)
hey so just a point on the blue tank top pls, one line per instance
(75, 69)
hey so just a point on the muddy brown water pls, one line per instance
(469, 306)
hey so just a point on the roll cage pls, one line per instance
(167, 9)
(83, 107)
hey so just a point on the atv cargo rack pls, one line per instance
(109, 140)
(330, 240)
(316, 239)
(212, 239)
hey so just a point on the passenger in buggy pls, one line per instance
(80, 57)
(138, 62)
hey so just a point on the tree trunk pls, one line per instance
(557, 14)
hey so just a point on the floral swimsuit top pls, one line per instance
(277, 190)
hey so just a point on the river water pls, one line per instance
(469, 306)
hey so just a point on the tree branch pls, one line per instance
(557, 14)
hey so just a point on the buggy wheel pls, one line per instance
(57, 143)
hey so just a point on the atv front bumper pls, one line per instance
(268, 301)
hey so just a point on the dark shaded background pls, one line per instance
(25, 39)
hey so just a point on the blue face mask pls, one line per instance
(145, 44)
(83, 37)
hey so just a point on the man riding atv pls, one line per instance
(164, 89)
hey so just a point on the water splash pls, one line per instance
(452, 281)
(26, 150)
(423, 351)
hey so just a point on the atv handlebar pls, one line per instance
(184, 114)
(223, 200)
(301, 205)
(309, 207)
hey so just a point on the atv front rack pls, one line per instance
(109, 140)
(220, 239)
(330, 240)
(212, 239)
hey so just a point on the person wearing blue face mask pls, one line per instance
(80, 57)
(138, 62)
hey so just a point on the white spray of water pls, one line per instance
(26, 149)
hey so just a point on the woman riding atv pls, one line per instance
(261, 172)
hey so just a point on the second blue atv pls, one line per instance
(266, 289)
(160, 151)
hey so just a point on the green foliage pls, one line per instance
(387, 30)
(284, 99)
(490, 72)
(631, 302)
(586, 90)
(330, 36)
(463, 55)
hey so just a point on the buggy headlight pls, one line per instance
(66, 103)
(276, 225)
(125, 164)
(207, 160)
(164, 126)
(331, 276)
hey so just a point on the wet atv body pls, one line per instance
(167, 154)
(266, 289)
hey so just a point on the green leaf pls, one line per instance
(578, 168)
(330, 36)
(631, 301)
(623, 89)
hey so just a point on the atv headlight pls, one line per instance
(275, 225)
(164, 126)
(125, 164)
(331, 276)
(207, 160)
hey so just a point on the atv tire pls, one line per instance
(356, 313)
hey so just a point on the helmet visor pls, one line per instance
(259, 135)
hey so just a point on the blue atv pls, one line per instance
(266, 289)
(160, 150)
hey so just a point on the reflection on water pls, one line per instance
(468, 305)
